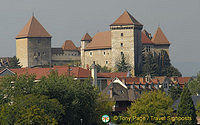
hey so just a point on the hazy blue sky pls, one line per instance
(66, 19)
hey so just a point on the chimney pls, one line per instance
(94, 74)
(111, 92)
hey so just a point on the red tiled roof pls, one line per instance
(101, 40)
(69, 45)
(145, 39)
(126, 19)
(77, 72)
(86, 37)
(159, 37)
(33, 29)
(113, 75)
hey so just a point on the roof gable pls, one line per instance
(101, 40)
(159, 37)
(33, 29)
(126, 19)
(69, 45)
(86, 37)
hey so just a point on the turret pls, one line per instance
(84, 42)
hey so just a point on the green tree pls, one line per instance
(32, 109)
(122, 65)
(158, 65)
(174, 92)
(194, 85)
(186, 108)
(150, 64)
(14, 63)
(150, 105)
(102, 69)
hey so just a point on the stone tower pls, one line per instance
(84, 42)
(126, 39)
(33, 45)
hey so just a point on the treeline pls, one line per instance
(52, 100)
(158, 65)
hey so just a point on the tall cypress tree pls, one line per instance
(186, 108)
(122, 65)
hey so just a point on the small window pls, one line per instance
(38, 53)
(122, 53)
(93, 62)
(122, 34)
(104, 53)
(38, 41)
(106, 62)
(121, 44)
(90, 53)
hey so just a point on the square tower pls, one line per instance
(126, 39)
(33, 45)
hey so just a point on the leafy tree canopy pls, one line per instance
(186, 108)
(151, 104)
(194, 85)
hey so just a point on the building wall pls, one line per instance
(66, 57)
(83, 45)
(22, 51)
(99, 56)
(132, 46)
(39, 51)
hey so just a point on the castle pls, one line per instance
(33, 45)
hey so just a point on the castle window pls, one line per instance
(122, 34)
(121, 44)
(106, 62)
(104, 53)
(90, 53)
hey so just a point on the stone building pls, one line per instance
(33, 47)
(68, 53)
(124, 37)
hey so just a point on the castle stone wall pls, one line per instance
(22, 51)
(39, 51)
(101, 57)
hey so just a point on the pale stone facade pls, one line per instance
(33, 51)
(101, 57)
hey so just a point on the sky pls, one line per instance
(71, 19)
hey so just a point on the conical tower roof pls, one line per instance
(86, 37)
(33, 29)
(159, 37)
(126, 19)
